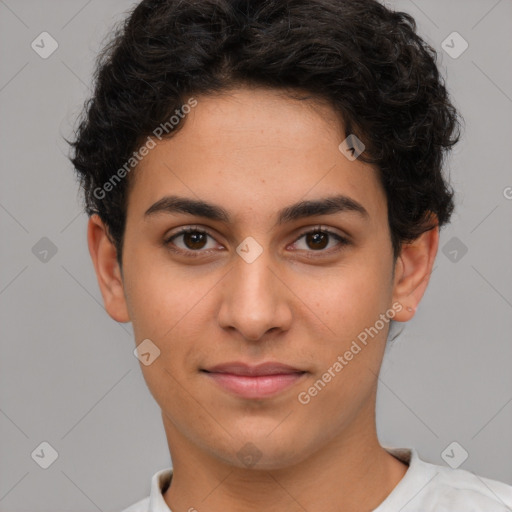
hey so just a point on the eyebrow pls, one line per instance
(303, 209)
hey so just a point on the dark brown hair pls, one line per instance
(366, 60)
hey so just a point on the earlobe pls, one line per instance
(412, 272)
(108, 272)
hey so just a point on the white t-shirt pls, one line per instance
(425, 487)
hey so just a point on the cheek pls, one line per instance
(351, 306)
(352, 302)
(353, 297)
(159, 294)
(170, 306)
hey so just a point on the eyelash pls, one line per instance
(199, 253)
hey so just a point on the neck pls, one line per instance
(351, 472)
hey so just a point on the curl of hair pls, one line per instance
(365, 60)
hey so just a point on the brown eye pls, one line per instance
(317, 240)
(190, 242)
(194, 240)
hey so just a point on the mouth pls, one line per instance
(260, 381)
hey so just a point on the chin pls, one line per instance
(264, 452)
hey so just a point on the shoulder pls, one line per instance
(430, 487)
(476, 493)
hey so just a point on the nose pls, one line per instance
(255, 299)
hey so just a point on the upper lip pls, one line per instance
(239, 368)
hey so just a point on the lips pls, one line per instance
(254, 381)
(238, 368)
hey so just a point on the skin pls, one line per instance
(254, 151)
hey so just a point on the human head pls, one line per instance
(271, 87)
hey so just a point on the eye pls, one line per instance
(194, 241)
(317, 239)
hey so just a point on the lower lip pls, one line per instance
(259, 386)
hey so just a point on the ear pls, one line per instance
(108, 272)
(412, 272)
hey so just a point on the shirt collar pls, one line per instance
(159, 484)
(417, 476)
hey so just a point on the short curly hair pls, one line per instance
(364, 59)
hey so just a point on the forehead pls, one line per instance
(255, 150)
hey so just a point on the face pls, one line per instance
(259, 278)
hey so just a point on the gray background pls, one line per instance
(68, 375)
